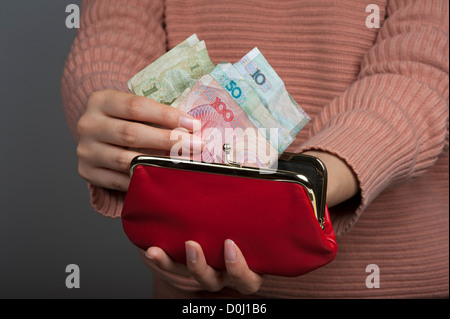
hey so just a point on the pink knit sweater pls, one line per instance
(378, 98)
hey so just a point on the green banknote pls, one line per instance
(168, 76)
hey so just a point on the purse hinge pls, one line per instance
(322, 222)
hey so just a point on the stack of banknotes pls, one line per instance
(244, 105)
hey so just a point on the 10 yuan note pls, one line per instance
(272, 91)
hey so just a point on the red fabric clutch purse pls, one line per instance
(279, 221)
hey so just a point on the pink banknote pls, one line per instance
(225, 122)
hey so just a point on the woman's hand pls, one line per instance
(237, 274)
(111, 133)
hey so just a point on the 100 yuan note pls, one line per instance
(244, 95)
(180, 68)
(224, 121)
(272, 91)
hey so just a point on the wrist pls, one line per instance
(342, 183)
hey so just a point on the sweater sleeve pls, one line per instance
(115, 40)
(392, 123)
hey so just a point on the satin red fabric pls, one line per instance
(273, 223)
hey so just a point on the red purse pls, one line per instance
(279, 220)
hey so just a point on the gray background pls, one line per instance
(46, 219)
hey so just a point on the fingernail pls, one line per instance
(152, 258)
(191, 253)
(230, 251)
(190, 123)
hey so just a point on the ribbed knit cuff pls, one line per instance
(107, 202)
(365, 153)
(387, 128)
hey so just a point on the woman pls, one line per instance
(378, 99)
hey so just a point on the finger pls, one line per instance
(104, 177)
(136, 135)
(244, 280)
(163, 261)
(106, 156)
(149, 151)
(142, 109)
(208, 277)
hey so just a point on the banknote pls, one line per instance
(168, 76)
(180, 98)
(144, 73)
(272, 91)
(225, 122)
(245, 96)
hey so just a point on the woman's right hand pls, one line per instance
(112, 131)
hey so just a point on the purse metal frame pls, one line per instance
(316, 190)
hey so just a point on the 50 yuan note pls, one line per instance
(272, 91)
(246, 97)
(225, 122)
(168, 76)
